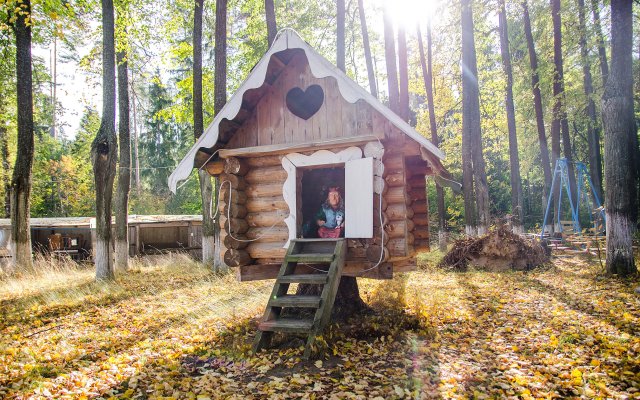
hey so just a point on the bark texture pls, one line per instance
(390, 59)
(367, 51)
(514, 161)
(104, 149)
(270, 16)
(6, 169)
(340, 35)
(403, 69)
(471, 126)
(620, 153)
(537, 103)
(124, 172)
(427, 74)
(21, 179)
(593, 131)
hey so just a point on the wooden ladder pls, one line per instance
(317, 252)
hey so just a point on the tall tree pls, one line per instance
(602, 51)
(537, 103)
(559, 124)
(124, 170)
(4, 162)
(427, 74)
(403, 69)
(21, 179)
(340, 35)
(219, 100)
(104, 148)
(367, 51)
(516, 182)
(620, 152)
(390, 58)
(270, 16)
(471, 131)
(593, 131)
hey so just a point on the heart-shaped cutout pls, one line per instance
(305, 103)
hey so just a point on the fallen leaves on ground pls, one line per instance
(174, 330)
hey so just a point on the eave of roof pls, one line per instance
(320, 68)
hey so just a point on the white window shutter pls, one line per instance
(358, 193)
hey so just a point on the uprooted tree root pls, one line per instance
(498, 250)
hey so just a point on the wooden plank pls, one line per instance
(259, 151)
(287, 325)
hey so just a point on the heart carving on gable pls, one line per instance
(305, 103)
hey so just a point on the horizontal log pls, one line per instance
(264, 190)
(421, 219)
(236, 196)
(397, 247)
(393, 162)
(233, 242)
(278, 233)
(395, 179)
(215, 167)
(266, 175)
(265, 161)
(421, 232)
(397, 195)
(373, 149)
(266, 250)
(267, 218)
(237, 258)
(236, 182)
(373, 253)
(261, 204)
(399, 211)
(380, 237)
(356, 253)
(260, 271)
(378, 167)
(421, 245)
(235, 166)
(376, 202)
(379, 185)
(419, 207)
(417, 182)
(417, 194)
(233, 210)
(233, 225)
(404, 148)
(376, 220)
(399, 228)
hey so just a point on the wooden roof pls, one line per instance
(239, 107)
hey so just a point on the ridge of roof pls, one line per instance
(320, 68)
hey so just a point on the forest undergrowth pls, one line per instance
(171, 329)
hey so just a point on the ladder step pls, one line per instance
(317, 279)
(289, 300)
(311, 257)
(286, 325)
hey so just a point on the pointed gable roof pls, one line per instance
(320, 68)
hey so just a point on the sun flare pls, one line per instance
(408, 13)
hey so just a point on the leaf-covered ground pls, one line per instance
(173, 330)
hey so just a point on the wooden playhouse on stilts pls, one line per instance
(315, 175)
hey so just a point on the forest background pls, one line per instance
(160, 85)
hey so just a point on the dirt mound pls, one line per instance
(498, 250)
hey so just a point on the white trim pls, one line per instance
(320, 68)
(292, 161)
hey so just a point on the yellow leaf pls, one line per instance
(595, 362)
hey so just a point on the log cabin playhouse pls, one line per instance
(296, 126)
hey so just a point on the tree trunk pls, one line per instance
(367, 51)
(602, 51)
(427, 74)
(124, 172)
(620, 154)
(270, 16)
(403, 69)
(471, 120)
(4, 161)
(104, 149)
(537, 101)
(340, 35)
(21, 180)
(390, 58)
(593, 131)
(516, 182)
(560, 125)
(219, 100)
